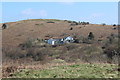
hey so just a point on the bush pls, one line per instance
(78, 39)
(37, 54)
(103, 24)
(90, 36)
(7, 71)
(13, 53)
(71, 28)
(83, 23)
(87, 23)
(76, 23)
(111, 52)
(27, 44)
(112, 39)
(50, 22)
(69, 21)
(86, 40)
(114, 24)
(4, 26)
(71, 46)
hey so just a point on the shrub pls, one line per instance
(85, 40)
(103, 24)
(90, 36)
(111, 51)
(78, 39)
(71, 28)
(7, 71)
(70, 46)
(87, 23)
(83, 23)
(75, 22)
(37, 54)
(112, 39)
(114, 24)
(50, 22)
(69, 21)
(13, 53)
(4, 26)
(28, 43)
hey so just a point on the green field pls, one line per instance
(71, 71)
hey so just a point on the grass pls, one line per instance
(39, 24)
(71, 71)
(41, 20)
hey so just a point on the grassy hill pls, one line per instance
(23, 46)
(19, 31)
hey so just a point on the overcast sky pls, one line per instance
(93, 12)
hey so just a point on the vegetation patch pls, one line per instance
(72, 71)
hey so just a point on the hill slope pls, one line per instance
(17, 32)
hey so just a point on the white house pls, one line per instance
(68, 39)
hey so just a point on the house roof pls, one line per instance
(60, 37)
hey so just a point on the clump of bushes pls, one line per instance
(113, 53)
(83, 23)
(13, 53)
(27, 44)
(73, 23)
(78, 39)
(50, 22)
(81, 39)
(77, 23)
(111, 48)
(37, 54)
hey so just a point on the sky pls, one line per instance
(93, 12)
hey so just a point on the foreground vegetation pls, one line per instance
(71, 71)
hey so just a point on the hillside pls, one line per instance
(19, 31)
(24, 49)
